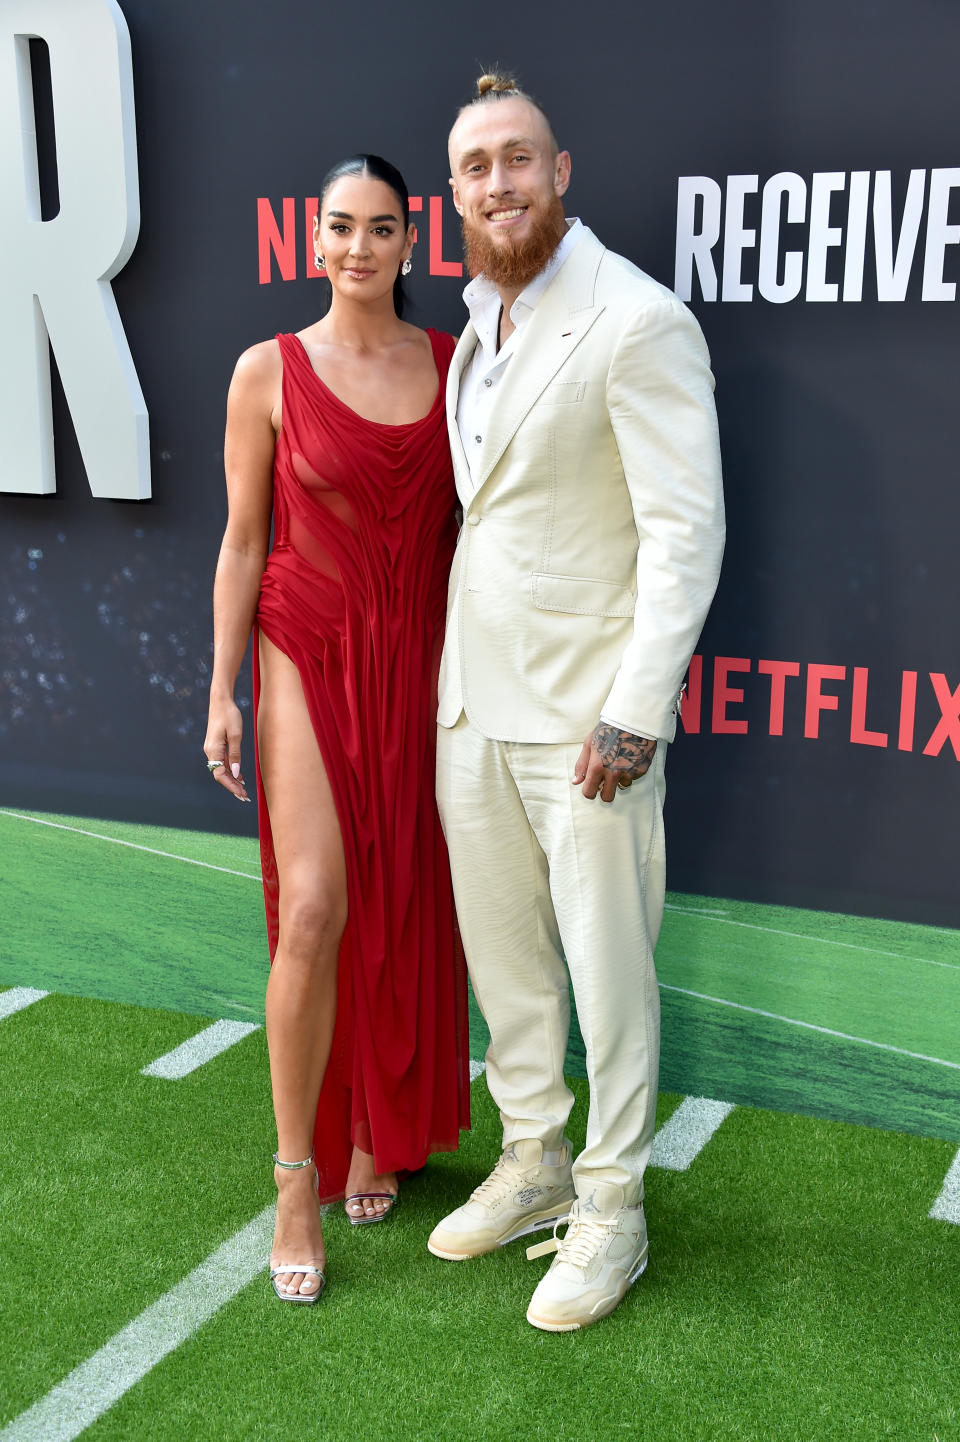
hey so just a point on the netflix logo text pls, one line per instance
(285, 238)
(912, 711)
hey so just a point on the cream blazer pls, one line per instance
(593, 523)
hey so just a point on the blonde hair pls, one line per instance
(496, 85)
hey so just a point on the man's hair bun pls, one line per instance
(494, 85)
(497, 83)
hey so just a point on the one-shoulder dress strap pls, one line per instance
(291, 349)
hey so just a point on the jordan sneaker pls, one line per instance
(601, 1255)
(521, 1195)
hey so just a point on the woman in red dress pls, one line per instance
(338, 434)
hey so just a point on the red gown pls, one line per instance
(354, 592)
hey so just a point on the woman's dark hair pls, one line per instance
(376, 168)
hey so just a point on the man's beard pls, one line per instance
(511, 265)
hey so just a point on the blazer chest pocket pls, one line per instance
(581, 595)
(563, 393)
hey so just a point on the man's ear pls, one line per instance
(562, 177)
(457, 202)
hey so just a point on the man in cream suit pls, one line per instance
(584, 438)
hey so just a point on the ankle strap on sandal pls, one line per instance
(292, 1166)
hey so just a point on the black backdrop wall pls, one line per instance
(792, 170)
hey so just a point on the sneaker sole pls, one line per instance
(547, 1326)
(540, 1225)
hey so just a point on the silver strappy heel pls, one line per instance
(306, 1268)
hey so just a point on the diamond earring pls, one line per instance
(319, 261)
(407, 266)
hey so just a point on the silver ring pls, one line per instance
(212, 766)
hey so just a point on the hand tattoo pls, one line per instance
(622, 751)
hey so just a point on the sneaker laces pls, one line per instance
(504, 1174)
(580, 1244)
(584, 1240)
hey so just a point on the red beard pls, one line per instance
(514, 266)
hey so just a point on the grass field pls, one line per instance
(835, 1016)
(798, 1287)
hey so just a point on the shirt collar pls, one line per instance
(482, 298)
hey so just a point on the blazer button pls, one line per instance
(473, 520)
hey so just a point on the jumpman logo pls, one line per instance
(589, 1205)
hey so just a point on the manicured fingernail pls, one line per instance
(235, 768)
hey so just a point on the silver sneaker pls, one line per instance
(521, 1195)
(602, 1254)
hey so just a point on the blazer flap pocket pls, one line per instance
(563, 393)
(581, 595)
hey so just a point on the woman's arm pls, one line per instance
(253, 419)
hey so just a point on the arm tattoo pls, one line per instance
(622, 751)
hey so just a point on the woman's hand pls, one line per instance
(224, 734)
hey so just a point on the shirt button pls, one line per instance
(473, 520)
(478, 439)
(488, 381)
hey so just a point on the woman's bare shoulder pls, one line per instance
(257, 377)
(415, 334)
(260, 362)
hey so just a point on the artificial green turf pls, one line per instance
(797, 1289)
(92, 919)
(86, 917)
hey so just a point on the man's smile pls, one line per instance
(513, 213)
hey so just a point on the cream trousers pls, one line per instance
(545, 883)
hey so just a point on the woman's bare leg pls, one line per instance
(302, 989)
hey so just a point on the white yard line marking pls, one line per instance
(695, 910)
(90, 1389)
(133, 845)
(477, 1068)
(809, 1026)
(17, 998)
(823, 940)
(683, 1137)
(199, 1049)
(947, 1206)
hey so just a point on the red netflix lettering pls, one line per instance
(778, 671)
(816, 700)
(948, 727)
(439, 266)
(858, 713)
(270, 238)
(723, 694)
(908, 710)
(276, 241)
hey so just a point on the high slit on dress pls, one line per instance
(354, 593)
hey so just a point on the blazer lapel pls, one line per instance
(561, 320)
(466, 345)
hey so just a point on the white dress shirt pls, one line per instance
(484, 372)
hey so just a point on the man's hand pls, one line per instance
(611, 760)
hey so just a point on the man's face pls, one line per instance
(507, 183)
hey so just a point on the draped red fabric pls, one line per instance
(354, 592)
